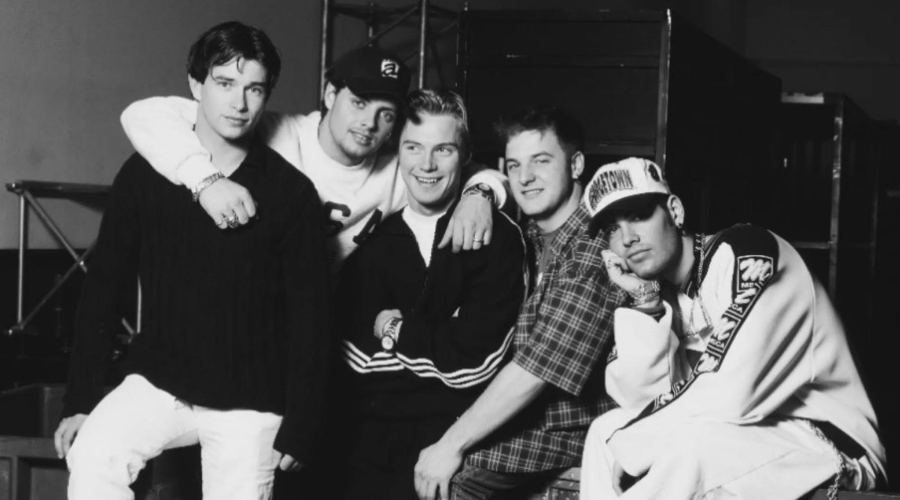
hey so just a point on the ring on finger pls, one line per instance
(232, 220)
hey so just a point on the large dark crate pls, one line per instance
(643, 84)
(828, 195)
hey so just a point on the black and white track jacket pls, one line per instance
(458, 318)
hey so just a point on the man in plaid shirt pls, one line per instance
(532, 419)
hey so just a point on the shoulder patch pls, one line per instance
(752, 270)
(749, 240)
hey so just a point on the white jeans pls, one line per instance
(690, 460)
(137, 421)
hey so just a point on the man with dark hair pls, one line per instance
(530, 422)
(340, 149)
(234, 339)
(732, 369)
(429, 328)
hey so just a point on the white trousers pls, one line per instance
(783, 459)
(137, 421)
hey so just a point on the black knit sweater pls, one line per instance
(234, 318)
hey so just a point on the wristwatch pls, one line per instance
(389, 334)
(482, 189)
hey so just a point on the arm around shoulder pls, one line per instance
(498, 183)
(161, 129)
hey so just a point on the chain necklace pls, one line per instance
(688, 329)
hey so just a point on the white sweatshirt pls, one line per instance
(355, 198)
(776, 349)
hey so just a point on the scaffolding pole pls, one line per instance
(371, 13)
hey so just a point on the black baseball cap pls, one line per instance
(371, 71)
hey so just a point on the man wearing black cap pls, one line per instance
(337, 148)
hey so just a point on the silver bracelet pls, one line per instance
(205, 183)
(644, 294)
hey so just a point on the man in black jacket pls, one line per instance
(425, 329)
(232, 349)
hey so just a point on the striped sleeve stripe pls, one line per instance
(463, 378)
(360, 362)
(423, 367)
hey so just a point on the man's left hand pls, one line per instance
(382, 318)
(436, 466)
(471, 224)
(288, 464)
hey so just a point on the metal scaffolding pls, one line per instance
(28, 193)
(374, 16)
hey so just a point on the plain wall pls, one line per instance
(831, 45)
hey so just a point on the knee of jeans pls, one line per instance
(471, 483)
(104, 458)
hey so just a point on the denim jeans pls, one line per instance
(475, 483)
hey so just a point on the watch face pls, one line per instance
(387, 343)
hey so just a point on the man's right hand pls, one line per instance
(620, 273)
(225, 199)
(436, 466)
(65, 433)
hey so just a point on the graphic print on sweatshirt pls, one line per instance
(755, 261)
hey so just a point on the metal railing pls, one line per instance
(28, 193)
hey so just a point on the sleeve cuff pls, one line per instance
(195, 169)
(657, 312)
(497, 181)
(544, 373)
(300, 446)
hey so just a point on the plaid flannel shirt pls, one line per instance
(564, 334)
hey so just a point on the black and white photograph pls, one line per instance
(449, 249)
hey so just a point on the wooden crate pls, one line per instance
(30, 470)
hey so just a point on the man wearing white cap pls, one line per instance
(731, 366)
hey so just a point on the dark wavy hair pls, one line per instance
(234, 40)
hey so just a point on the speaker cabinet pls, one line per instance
(644, 84)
